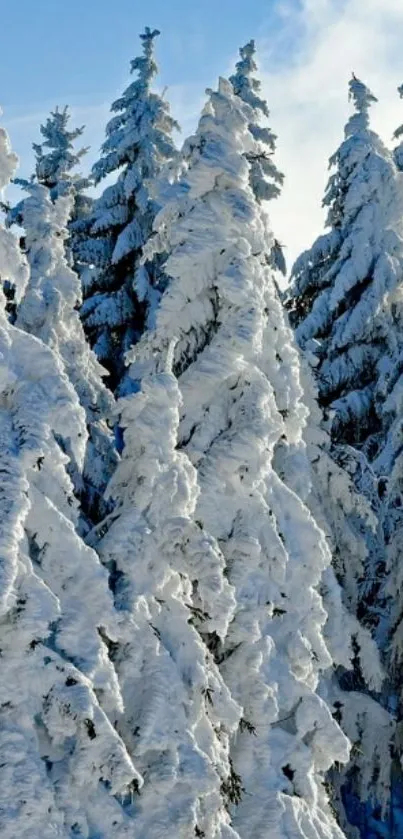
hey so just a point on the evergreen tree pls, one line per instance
(49, 311)
(63, 765)
(171, 592)
(345, 502)
(55, 160)
(120, 295)
(56, 156)
(345, 302)
(342, 290)
(265, 178)
(238, 375)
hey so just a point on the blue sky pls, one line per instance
(77, 52)
(80, 49)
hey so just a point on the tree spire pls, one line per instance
(243, 82)
(145, 65)
(119, 294)
(56, 156)
(265, 179)
(362, 98)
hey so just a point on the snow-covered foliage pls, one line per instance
(55, 162)
(49, 311)
(171, 593)
(62, 763)
(120, 294)
(265, 178)
(202, 636)
(343, 288)
(398, 135)
(56, 156)
(238, 376)
(389, 467)
(345, 502)
(346, 303)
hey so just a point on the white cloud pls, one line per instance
(307, 95)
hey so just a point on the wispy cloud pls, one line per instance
(307, 94)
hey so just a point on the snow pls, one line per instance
(238, 376)
(171, 594)
(201, 635)
(63, 762)
(342, 290)
(49, 312)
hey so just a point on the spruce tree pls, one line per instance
(342, 289)
(238, 375)
(63, 768)
(120, 295)
(345, 303)
(56, 156)
(49, 311)
(55, 161)
(266, 179)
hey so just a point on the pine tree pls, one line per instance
(238, 375)
(172, 596)
(120, 295)
(63, 765)
(342, 290)
(49, 311)
(265, 178)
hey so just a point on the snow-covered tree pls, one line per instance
(63, 765)
(343, 288)
(55, 161)
(120, 294)
(238, 376)
(172, 596)
(266, 179)
(346, 305)
(49, 311)
(344, 500)
(56, 156)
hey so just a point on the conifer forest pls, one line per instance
(201, 478)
